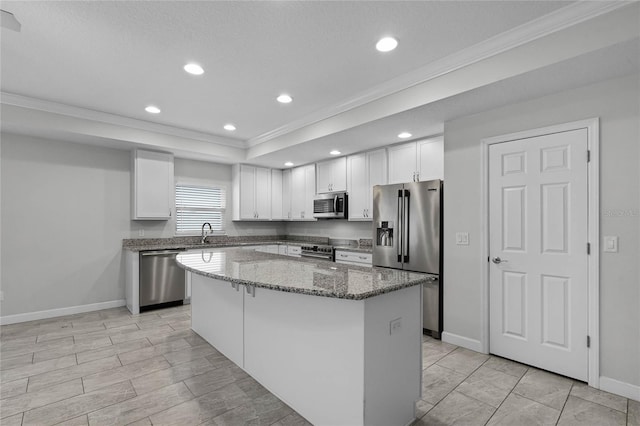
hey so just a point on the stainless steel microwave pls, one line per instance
(330, 206)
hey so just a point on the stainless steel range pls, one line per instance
(317, 251)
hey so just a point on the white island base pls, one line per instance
(334, 361)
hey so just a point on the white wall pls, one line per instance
(617, 104)
(65, 211)
(64, 215)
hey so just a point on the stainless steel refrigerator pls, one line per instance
(407, 226)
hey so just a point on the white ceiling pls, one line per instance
(111, 59)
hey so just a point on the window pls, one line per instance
(197, 204)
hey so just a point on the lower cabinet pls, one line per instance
(346, 368)
(354, 258)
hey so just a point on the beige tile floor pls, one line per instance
(109, 367)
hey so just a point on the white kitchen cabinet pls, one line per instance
(152, 194)
(364, 171)
(286, 194)
(277, 212)
(252, 193)
(416, 161)
(354, 258)
(331, 175)
(303, 184)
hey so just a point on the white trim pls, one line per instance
(558, 20)
(52, 313)
(593, 179)
(118, 120)
(617, 387)
(465, 342)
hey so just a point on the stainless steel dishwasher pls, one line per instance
(162, 281)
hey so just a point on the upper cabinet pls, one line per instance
(286, 194)
(252, 193)
(277, 212)
(152, 185)
(417, 161)
(331, 175)
(303, 184)
(364, 171)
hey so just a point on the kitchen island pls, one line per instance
(340, 344)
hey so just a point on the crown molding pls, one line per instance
(117, 120)
(558, 20)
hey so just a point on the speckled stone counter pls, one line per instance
(144, 244)
(297, 275)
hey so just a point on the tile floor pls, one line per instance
(110, 367)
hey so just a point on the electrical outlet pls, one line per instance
(395, 325)
(140, 232)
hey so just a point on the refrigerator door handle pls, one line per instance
(405, 224)
(400, 223)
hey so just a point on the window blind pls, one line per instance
(196, 205)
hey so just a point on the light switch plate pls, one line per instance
(611, 244)
(462, 238)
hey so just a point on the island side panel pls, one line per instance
(393, 358)
(309, 351)
(217, 315)
(132, 281)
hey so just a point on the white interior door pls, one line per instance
(538, 248)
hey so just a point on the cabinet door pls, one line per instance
(247, 192)
(297, 192)
(339, 174)
(377, 170)
(325, 176)
(286, 194)
(310, 191)
(276, 194)
(357, 186)
(263, 193)
(431, 159)
(402, 163)
(218, 315)
(152, 185)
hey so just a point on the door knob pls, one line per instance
(497, 260)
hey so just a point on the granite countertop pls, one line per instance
(188, 243)
(298, 275)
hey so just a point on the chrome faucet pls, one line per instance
(204, 236)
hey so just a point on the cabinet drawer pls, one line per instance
(294, 251)
(364, 259)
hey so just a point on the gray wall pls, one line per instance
(65, 211)
(616, 103)
(64, 215)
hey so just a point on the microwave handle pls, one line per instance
(335, 204)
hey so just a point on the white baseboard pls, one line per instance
(620, 388)
(52, 313)
(462, 341)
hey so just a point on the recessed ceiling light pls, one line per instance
(194, 69)
(335, 152)
(230, 127)
(288, 164)
(284, 98)
(152, 109)
(404, 135)
(386, 44)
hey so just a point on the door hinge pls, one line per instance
(588, 248)
(588, 341)
(588, 155)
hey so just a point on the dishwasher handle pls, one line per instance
(161, 252)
